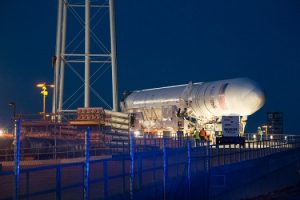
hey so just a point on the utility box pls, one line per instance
(230, 131)
(230, 126)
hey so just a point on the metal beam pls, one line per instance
(92, 6)
(62, 64)
(113, 55)
(91, 61)
(58, 58)
(92, 55)
(87, 57)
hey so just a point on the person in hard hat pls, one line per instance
(203, 135)
(259, 133)
(196, 137)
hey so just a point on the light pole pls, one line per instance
(44, 92)
(13, 105)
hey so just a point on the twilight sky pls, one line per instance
(160, 43)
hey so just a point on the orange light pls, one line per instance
(40, 85)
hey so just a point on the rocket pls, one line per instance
(202, 101)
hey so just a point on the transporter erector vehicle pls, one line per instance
(184, 108)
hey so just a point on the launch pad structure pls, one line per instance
(170, 110)
(65, 123)
(63, 57)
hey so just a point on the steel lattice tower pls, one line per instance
(62, 57)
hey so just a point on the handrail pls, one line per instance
(120, 146)
(213, 155)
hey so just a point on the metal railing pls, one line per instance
(52, 152)
(160, 163)
(253, 144)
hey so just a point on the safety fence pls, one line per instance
(163, 168)
(111, 147)
(126, 176)
(47, 140)
(55, 152)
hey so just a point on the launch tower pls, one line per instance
(87, 15)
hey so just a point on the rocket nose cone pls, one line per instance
(253, 100)
(245, 97)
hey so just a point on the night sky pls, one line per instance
(161, 43)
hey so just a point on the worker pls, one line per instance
(191, 132)
(196, 137)
(259, 133)
(203, 135)
(213, 137)
(208, 136)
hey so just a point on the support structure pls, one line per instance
(17, 142)
(87, 56)
(62, 63)
(113, 54)
(64, 57)
(57, 55)
(87, 164)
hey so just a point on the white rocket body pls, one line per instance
(203, 101)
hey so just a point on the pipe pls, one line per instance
(57, 53)
(117, 114)
(113, 55)
(87, 55)
(62, 63)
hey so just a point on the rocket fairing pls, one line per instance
(203, 101)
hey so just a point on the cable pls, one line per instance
(92, 89)
(102, 65)
(81, 22)
(94, 15)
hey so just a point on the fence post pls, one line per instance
(55, 142)
(58, 182)
(269, 147)
(17, 157)
(263, 148)
(87, 164)
(249, 150)
(256, 148)
(189, 166)
(207, 170)
(123, 151)
(165, 165)
(132, 163)
(224, 154)
(260, 153)
(240, 153)
(230, 152)
(235, 152)
(218, 154)
(144, 141)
